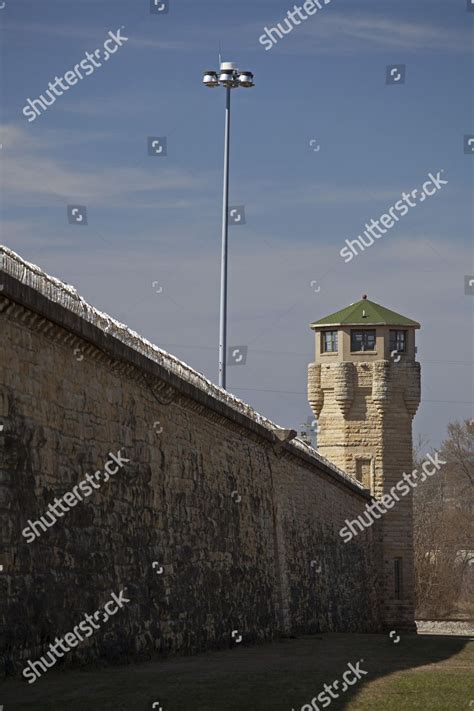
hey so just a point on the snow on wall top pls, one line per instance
(68, 297)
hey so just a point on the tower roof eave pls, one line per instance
(365, 313)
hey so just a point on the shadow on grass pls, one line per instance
(281, 676)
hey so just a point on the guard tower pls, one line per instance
(364, 388)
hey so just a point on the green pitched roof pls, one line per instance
(365, 312)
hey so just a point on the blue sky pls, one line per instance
(158, 219)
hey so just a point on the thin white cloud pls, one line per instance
(323, 194)
(383, 33)
(344, 195)
(331, 32)
(336, 33)
(95, 35)
(29, 172)
(66, 31)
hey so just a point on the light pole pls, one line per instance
(230, 78)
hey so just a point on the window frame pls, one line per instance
(334, 341)
(363, 331)
(359, 462)
(393, 340)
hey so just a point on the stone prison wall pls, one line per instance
(213, 526)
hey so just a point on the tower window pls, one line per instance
(398, 577)
(398, 341)
(363, 340)
(363, 469)
(329, 341)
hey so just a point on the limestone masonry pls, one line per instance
(365, 394)
(215, 524)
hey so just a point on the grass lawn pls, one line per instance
(418, 673)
